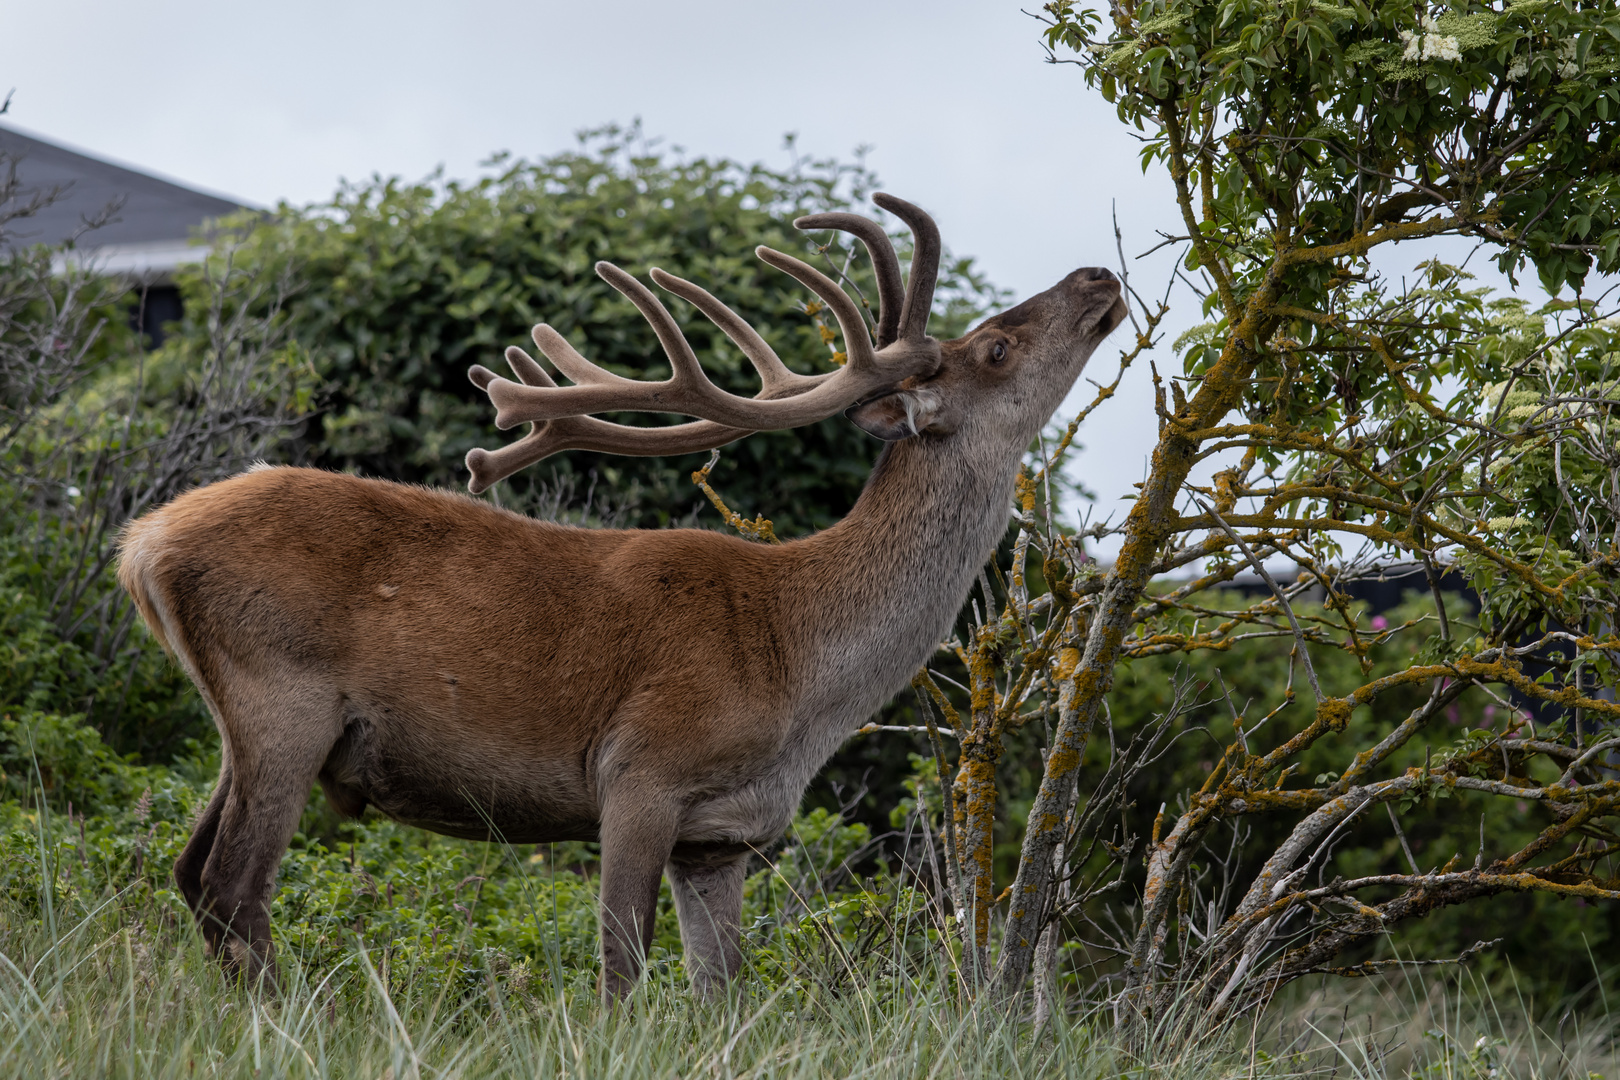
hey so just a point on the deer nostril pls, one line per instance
(1096, 273)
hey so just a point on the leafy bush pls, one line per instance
(94, 431)
(137, 695)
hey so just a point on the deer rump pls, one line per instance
(384, 683)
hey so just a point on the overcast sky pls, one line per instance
(1018, 161)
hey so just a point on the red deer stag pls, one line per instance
(669, 693)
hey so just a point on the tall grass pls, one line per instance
(114, 999)
(1457, 1025)
(118, 986)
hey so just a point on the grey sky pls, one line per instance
(1016, 159)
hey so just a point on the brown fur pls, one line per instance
(669, 693)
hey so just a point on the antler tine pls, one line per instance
(884, 263)
(776, 378)
(925, 252)
(857, 345)
(683, 362)
(527, 369)
(568, 361)
(524, 366)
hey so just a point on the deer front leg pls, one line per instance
(637, 835)
(708, 885)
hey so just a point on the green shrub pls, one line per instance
(136, 698)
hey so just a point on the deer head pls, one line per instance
(1003, 378)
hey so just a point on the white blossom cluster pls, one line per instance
(1429, 43)
(1567, 67)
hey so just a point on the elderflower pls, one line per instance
(1429, 43)
(1518, 69)
(1503, 524)
(1567, 52)
(1441, 48)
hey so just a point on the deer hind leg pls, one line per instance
(708, 888)
(188, 868)
(280, 737)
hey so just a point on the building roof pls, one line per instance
(150, 230)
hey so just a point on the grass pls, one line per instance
(408, 956)
(1454, 1026)
(123, 990)
(115, 1001)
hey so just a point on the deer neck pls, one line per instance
(884, 585)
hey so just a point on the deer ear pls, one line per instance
(901, 414)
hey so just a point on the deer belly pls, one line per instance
(479, 790)
(514, 818)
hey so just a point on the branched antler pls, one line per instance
(560, 415)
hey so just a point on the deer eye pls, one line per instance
(999, 353)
